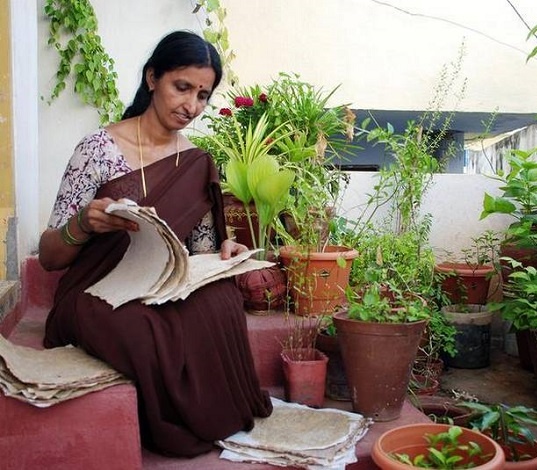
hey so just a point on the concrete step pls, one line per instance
(100, 430)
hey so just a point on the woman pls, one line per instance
(190, 359)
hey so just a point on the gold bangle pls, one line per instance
(68, 238)
(79, 222)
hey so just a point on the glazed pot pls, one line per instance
(410, 440)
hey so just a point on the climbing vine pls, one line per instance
(217, 34)
(73, 33)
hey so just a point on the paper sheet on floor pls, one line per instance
(157, 268)
(296, 435)
(50, 376)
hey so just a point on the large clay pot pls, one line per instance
(410, 440)
(317, 280)
(378, 360)
(465, 284)
(472, 338)
(304, 376)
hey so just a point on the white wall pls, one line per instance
(388, 54)
(454, 202)
(25, 124)
(385, 57)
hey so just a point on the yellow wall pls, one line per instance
(6, 140)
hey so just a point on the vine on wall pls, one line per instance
(217, 34)
(73, 33)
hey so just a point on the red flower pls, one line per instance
(225, 112)
(263, 98)
(243, 102)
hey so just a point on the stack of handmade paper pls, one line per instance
(156, 267)
(299, 436)
(46, 377)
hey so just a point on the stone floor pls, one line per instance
(504, 381)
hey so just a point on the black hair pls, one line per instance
(177, 49)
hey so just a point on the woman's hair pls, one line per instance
(177, 49)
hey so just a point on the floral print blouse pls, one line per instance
(95, 161)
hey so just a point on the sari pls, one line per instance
(190, 360)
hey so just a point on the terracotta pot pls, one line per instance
(527, 464)
(317, 281)
(464, 284)
(525, 255)
(472, 338)
(423, 385)
(337, 387)
(378, 359)
(263, 290)
(410, 440)
(441, 409)
(305, 376)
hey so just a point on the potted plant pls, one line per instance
(518, 200)
(519, 304)
(468, 280)
(379, 336)
(439, 446)
(512, 427)
(255, 178)
(304, 365)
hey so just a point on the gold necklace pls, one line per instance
(141, 153)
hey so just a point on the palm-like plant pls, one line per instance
(253, 174)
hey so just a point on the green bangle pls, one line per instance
(79, 222)
(68, 238)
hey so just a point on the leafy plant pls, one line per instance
(519, 303)
(445, 451)
(73, 33)
(253, 175)
(509, 426)
(518, 198)
(483, 250)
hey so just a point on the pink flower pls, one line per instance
(243, 102)
(225, 112)
(263, 98)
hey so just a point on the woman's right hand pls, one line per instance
(56, 247)
(94, 218)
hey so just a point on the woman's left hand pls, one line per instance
(231, 248)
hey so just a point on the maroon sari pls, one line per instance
(190, 359)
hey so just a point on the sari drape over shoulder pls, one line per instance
(190, 360)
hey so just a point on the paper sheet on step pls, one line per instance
(50, 376)
(296, 435)
(157, 268)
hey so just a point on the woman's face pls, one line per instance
(180, 95)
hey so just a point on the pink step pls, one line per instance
(100, 430)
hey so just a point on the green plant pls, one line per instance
(217, 34)
(309, 135)
(252, 174)
(519, 303)
(73, 33)
(484, 250)
(509, 426)
(445, 451)
(518, 198)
